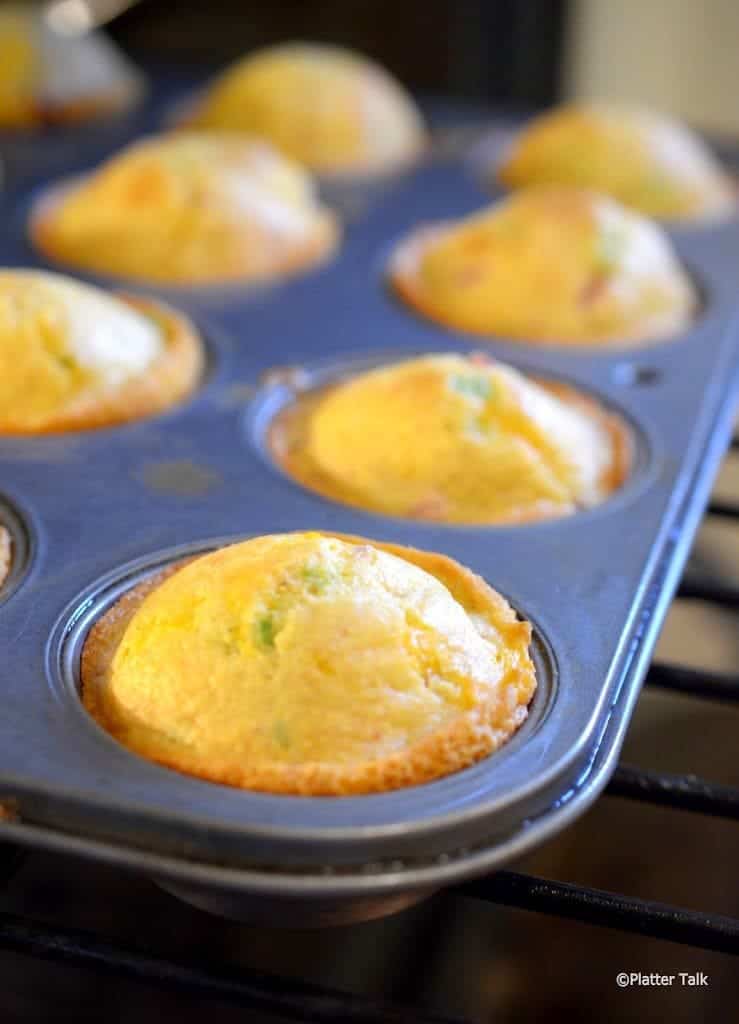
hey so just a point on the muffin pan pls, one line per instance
(91, 514)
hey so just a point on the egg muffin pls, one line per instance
(313, 664)
(455, 439)
(550, 264)
(332, 110)
(73, 357)
(645, 160)
(189, 209)
(47, 77)
(5, 555)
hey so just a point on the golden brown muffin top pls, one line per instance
(69, 350)
(548, 264)
(189, 208)
(452, 438)
(333, 110)
(312, 663)
(645, 160)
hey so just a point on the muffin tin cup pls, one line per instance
(186, 296)
(99, 510)
(23, 546)
(32, 152)
(324, 896)
(284, 386)
(309, 832)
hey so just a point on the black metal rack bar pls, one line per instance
(724, 509)
(694, 682)
(710, 591)
(610, 910)
(681, 792)
(274, 995)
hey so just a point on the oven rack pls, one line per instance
(298, 1001)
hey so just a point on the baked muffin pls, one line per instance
(311, 663)
(333, 110)
(456, 439)
(550, 264)
(189, 209)
(73, 357)
(645, 160)
(47, 77)
(5, 555)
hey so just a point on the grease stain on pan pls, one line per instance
(180, 478)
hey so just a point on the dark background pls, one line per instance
(506, 51)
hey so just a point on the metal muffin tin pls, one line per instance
(92, 513)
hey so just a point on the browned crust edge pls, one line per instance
(292, 417)
(621, 436)
(468, 738)
(404, 277)
(316, 250)
(5, 554)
